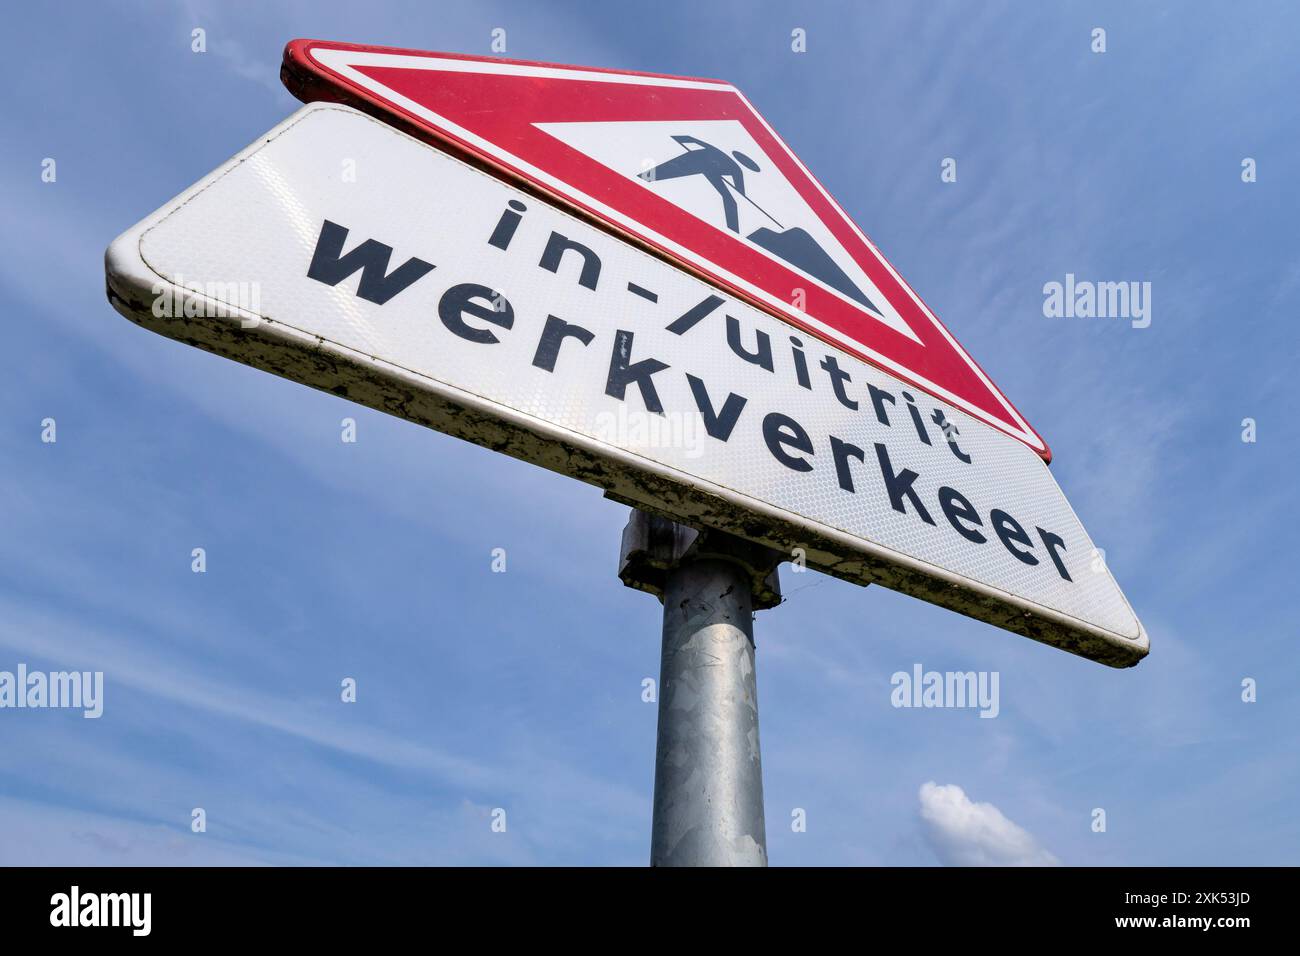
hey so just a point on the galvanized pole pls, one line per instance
(708, 798)
(708, 794)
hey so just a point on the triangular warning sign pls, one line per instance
(684, 166)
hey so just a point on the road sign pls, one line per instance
(686, 167)
(346, 255)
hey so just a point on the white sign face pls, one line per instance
(341, 253)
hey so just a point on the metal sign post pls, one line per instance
(708, 794)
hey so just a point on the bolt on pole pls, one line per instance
(708, 793)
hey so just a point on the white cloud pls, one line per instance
(964, 833)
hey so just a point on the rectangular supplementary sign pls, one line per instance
(344, 254)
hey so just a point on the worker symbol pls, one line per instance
(721, 170)
(725, 172)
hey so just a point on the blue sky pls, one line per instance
(523, 690)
